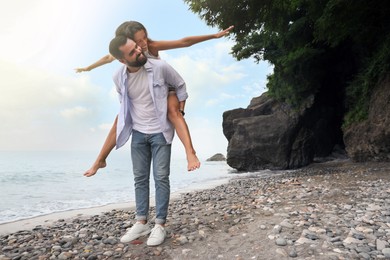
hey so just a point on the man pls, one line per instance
(142, 85)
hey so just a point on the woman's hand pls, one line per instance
(224, 32)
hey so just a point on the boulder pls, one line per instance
(217, 157)
(370, 140)
(272, 135)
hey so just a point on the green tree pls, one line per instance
(334, 48)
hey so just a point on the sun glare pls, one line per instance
(41, 31)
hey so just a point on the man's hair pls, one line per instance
(129, 28)
(115, 43)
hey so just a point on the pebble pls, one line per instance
(333, 211)
(281, 242)
(386, 252)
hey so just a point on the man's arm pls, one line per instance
(173, 78)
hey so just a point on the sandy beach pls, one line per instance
(330, 210)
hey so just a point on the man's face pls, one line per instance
(132, 54)
(141, 40)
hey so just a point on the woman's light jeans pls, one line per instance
(147, 149)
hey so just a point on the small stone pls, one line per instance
(7, 248)
(364, 255)
(286, 224)
(304, 240)
(108, 253)
(386, 252)
(351, 240)
(277, 229)
(292, 253)
(182, 240)
(335, 239)
(281, 241)
(92, 257)
(110, 240)
(64, 256)
(380, 244)
(56, 248)
(281, 252)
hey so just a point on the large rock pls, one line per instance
(370, 140)
(271, 135)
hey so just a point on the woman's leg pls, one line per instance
(182, 131)
(108, 145)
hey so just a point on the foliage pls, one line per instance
(359, 91)
(335, 46)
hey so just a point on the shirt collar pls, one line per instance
(124, 71)
(148, 66)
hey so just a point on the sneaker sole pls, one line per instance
(149, 244)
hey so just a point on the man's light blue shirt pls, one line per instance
(160, 76)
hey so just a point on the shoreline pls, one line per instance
(329, 210)
(49, 219)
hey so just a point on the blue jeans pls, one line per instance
(147, 149)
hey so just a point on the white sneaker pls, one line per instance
(136, 231)
(157, 236)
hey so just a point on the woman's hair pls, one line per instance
(129, 28)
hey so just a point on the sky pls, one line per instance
(46, 106)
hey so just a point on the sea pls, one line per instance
(38, 183)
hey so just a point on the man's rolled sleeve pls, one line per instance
(173, 78)
(181, 92)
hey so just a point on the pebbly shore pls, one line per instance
(330, 210)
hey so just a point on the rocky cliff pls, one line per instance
(370, 140)
(271, 135)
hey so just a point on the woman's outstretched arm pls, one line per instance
(104, 60)
(155, 46)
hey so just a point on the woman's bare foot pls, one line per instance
(193, 162)
(95, 167)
